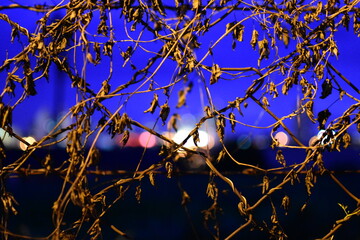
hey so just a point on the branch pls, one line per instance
(344, 188)
(279, 120)
(343, 77)
(240, 228)
(340, 223)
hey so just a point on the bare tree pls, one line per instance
(287, 51)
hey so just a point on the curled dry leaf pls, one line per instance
(221, 155)
(159, 6)
(265, 184)
(90, 58)
(164, 112)
(326, 87)
(323, 117)
(8, 201)
(207, 111)
(309, 110)
(138, 192)
(2, 151)
(108, 48)
(169, 169)
(220, 126)
(280, 157)
(254, 38)
(265, 101)
(97, 52)
(239, 32)
(264, 50)
(232, 121)
(154, 104)
(5, 115)
(182, 95)
(196, 137)
(94, 157)
(185, 198)
(152, 178)
(285, 202)
(310, 179)
(273, 90)
(173, 122)
(196, 4)
(346, 139)
(125, 137)
(319, 71)
(212, 191)
(215, 73)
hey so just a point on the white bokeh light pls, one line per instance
(29, 140)
(205, 139)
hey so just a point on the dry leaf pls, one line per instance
(215, 73)
(164, 112)
(153, 105)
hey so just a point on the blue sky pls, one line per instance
(55, 97)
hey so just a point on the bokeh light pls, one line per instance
(282, 138)
(29, 140)
(147, 140)
(205, 139)
(261, 142)
(244, 142)
(313, 140)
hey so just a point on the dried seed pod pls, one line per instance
(185, 198)
(151, 178)
(265, 184)
(220, 126)
(232, 121)
(125, 137)
(138, 193)
(169, 169)
(346, 139)
(280, 157)
(212, 190)
(221, 155)
(285, 203)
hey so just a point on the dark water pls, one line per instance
(160, 215)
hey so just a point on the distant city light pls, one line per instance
(29, 140)
(7, 140)
(147, 140)
(282, 138)
(205, 139)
